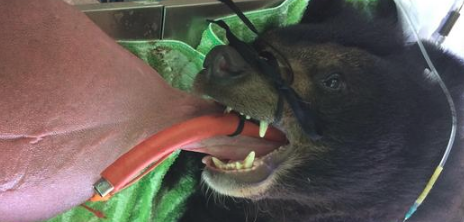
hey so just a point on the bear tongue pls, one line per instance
(233, 148)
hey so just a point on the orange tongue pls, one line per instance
(126, 169)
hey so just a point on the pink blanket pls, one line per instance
(71, 102)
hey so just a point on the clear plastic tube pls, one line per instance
(452, 108)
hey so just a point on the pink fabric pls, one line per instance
(71, 102)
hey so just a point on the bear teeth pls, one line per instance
(228, 109)
(247, 163)
(263, 125)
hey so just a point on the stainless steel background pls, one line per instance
(182, 20)
(124, 21)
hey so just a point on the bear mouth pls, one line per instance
(248, 171)
(248, 158)
(242, 166)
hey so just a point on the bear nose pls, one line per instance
(224, 64)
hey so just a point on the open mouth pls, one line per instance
(241, 166)
(247, 158)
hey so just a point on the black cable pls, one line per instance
(240, 127)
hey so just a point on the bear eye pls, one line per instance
(333, 82)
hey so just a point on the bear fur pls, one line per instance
(385, 124)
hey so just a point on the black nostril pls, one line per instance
(224, 64)
(220, 67)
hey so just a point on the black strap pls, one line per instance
(240, 127)
(245, 50)
(279, 109)
(240, 14)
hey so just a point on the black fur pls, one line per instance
(385, 132)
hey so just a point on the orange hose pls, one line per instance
(154, 149)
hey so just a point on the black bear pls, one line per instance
(384, 124)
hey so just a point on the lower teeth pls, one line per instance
(247, 163)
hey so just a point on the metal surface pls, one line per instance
(103, 187)
(182, 20)
(127, 21)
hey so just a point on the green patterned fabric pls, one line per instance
(178, 63)
(175, 61)
(134, 203)
(289, 12)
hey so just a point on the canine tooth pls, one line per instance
(228, 109)
(248, 162)
(248, 117)
(218, 163)
(263, 128)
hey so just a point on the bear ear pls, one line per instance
(320, 10)
(386, 9)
